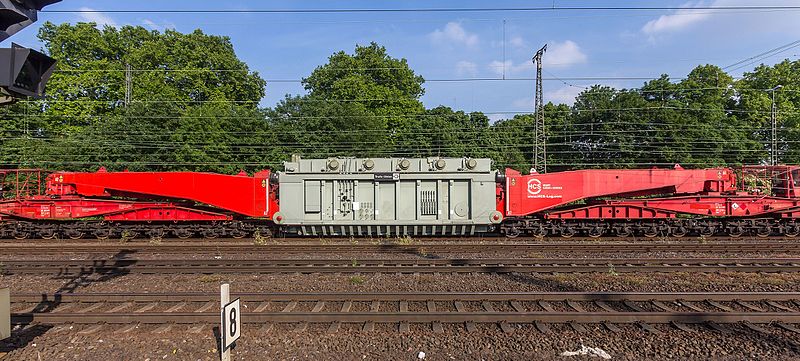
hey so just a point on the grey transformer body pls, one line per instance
(388, 196)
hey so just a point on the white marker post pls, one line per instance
(5, 313)
(230, 322)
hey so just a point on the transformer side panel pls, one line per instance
(387, 196)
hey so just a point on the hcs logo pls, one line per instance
(534, 186)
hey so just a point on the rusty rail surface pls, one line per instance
(206, 247)
(421, 265)
(540, 309)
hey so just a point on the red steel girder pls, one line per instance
(528, 194)
(241, 194)
(109, 209)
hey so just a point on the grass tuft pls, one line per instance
(357, 280)
(258, 239)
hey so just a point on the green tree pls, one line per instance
(754, 107)
(175, 79)
(608, 129)
(365, 103)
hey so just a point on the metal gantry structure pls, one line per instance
(773, 151)
(540, 138)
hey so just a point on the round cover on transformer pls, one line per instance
(404, 164)
(369, 164)
(333, 164)
(460, 209)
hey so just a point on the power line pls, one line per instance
(289, 80)
(755, 58)
(427, 10)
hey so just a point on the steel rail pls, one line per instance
(48, 310)
(342, 240)
(194, 266)
(102, 248)
(443, 317)
(430, 296)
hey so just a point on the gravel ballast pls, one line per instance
(351, 342)
(488, 342)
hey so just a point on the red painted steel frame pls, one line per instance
(713, 206)
(41, 208)
(528, 194)
(20, 183)
(241, 194)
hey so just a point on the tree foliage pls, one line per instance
(195, 107)
(365, 103)
(191, 99)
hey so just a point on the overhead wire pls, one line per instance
(758, 57)
(429, 10)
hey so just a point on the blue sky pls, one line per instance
(440, 46)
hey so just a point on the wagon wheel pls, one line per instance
(512, 232)
(209, 233)
(679, 231)
(567, 232)
(183, 233)
(651, 231)
(20, 234)
(623, 231)
(74, 234)
(707, 231)
(102, 233)
(539, 231)
(595, 232)
(238, 233)
(763, 232)
(156, 233)
(792, 230)
(48, 233)
(736, 231)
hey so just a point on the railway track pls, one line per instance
(430, 265)
(295, 240)
(466, 309)
(181, 247)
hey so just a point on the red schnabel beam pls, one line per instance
(528, 194)
(241, 194)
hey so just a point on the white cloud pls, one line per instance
(495, 117)
(155, 26)
(508, 67)
(92, 16)
(679, 20)
(565, 95)
(564, 54)
(453, 32)
(558, 55)
(464, 67)
(150, 24)
(498, 67)
(718, 23)
(517, 42)
(523, 103)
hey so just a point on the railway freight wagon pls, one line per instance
(388, 196)
(399, 196)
